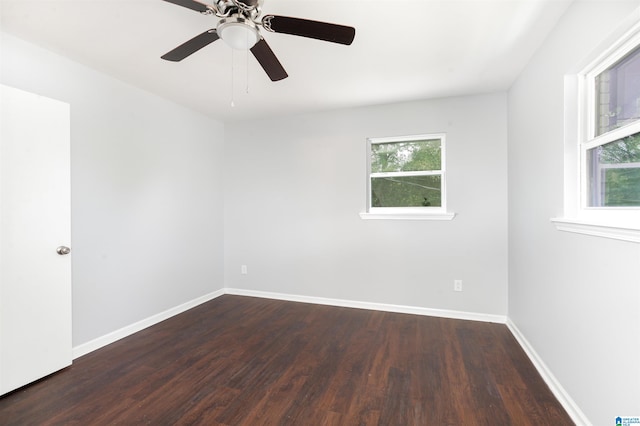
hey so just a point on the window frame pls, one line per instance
(419, 213)
(620, 223)
(588, 138)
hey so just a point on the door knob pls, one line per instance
(62, 250)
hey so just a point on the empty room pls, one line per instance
(355, 212)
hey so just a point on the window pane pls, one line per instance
(406, 191)
(406, 156)
(618, 94)
(614, 173)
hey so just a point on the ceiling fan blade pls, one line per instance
(268, 60)
(312, 29)
(191, 46)
(191, 4)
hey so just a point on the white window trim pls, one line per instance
(408, 216)
(597, 230)
(409, 213)
(620, 223)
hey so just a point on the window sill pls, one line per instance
(407, 216)
(616, 232)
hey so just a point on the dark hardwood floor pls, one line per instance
(248, 361)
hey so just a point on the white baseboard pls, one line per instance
(443, 313)
(558, 391)
(114, 336)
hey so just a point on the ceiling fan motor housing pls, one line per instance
(248, 4)
(248, 8)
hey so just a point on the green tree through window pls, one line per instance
(615, 173)
(406, 173)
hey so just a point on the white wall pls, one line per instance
(295, 186)
(147, 217)
(575, 298)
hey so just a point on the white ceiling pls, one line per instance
(403, 50)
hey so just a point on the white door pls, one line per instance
(35, 281)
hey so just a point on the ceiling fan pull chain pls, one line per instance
(247, 73)
(233, 104)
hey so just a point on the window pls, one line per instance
(406, 177)
(602, 140)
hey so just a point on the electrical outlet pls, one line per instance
(243, 270)
(457, 285)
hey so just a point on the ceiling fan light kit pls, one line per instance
(239, 28)
(239, 33)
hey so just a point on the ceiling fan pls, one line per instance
(239, 27)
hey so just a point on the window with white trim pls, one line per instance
(406, 176)
(602, 140)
